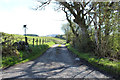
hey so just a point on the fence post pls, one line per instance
(42, 41)
(33, 42)
(26, 40)
(45, 41)
(39, 41)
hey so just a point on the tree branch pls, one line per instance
(89, 10)
(67, 17)
(43, 4)
(77, 29)
(68, 7)
(87, 3)
(91, 20)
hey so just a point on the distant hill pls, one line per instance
(60, 36)
(51, 35)
(31, 35)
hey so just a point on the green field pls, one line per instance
(24, 56)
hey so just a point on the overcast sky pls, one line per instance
(16, 13)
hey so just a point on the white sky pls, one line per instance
(16, 13)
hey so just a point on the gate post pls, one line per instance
(25, 40)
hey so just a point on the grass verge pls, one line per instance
(25, 56)
(103, 64)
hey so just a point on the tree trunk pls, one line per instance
(85, 39)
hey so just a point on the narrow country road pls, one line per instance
(56, 62)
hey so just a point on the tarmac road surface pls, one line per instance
(56, 62)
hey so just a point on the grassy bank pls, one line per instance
(112, 67)
(10, 54)
(26, 56)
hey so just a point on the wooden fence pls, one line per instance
(38, 41)
(33, 41)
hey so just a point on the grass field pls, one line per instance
(16, 38)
